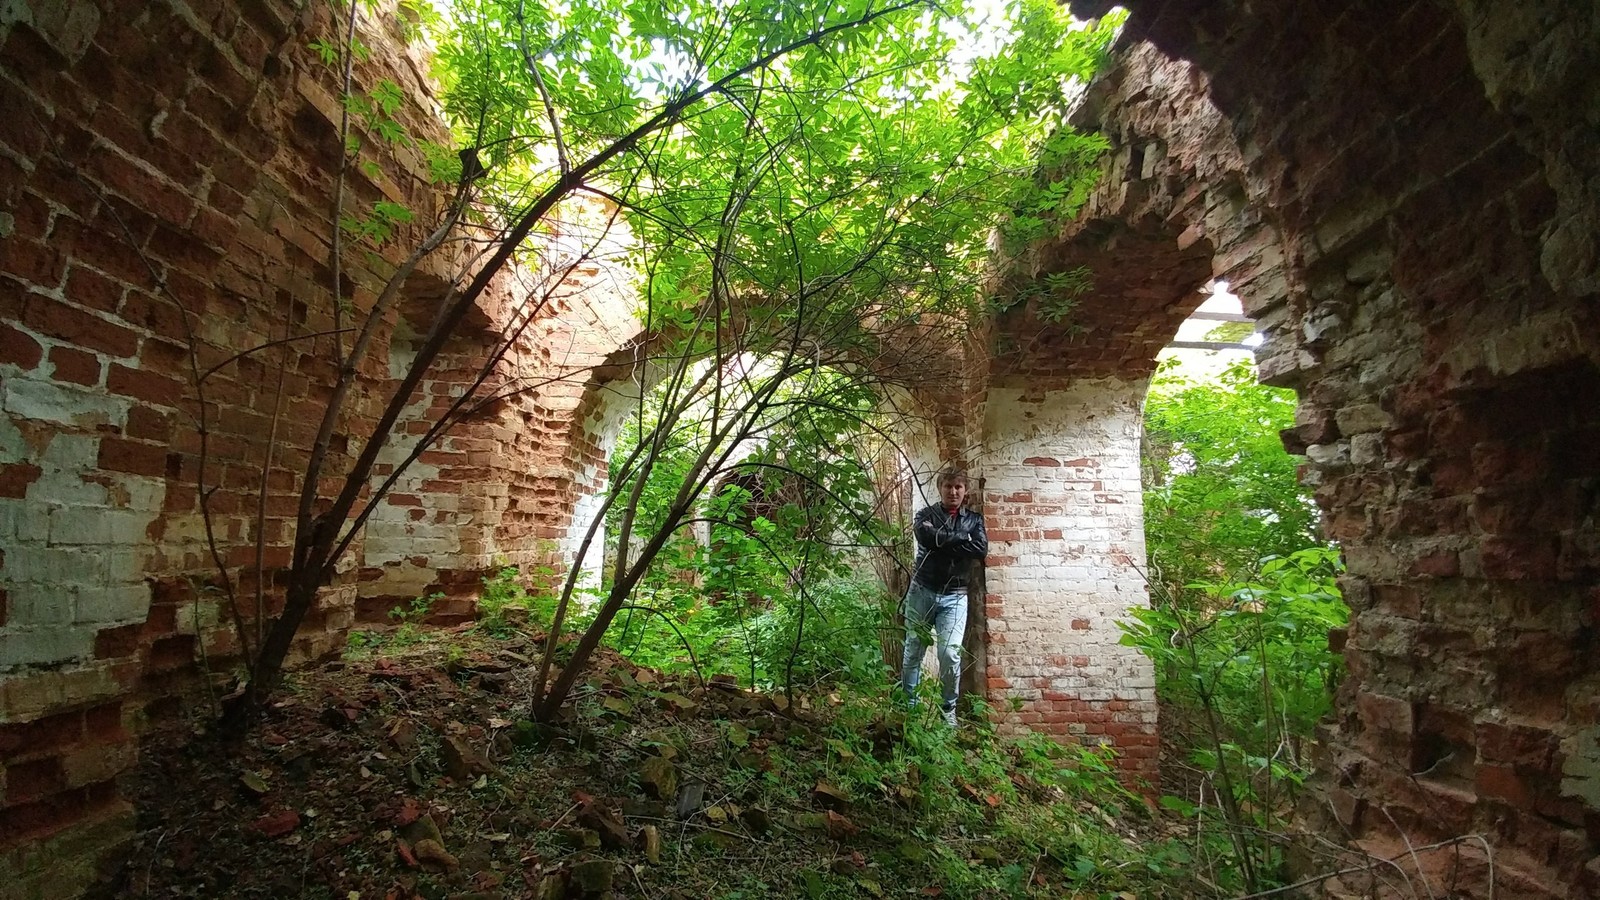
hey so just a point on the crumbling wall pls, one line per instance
(1433, 186)
(1064, 386)
(1061, 500)
(166, 186)
(523, 468)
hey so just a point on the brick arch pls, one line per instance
(927, 434)
(1427, 170)
(1064, 394)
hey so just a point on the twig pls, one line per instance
(695, 663)
(687, 823)
(336, 250)
(1406, 839)
(267, 346)
(1373, 862)
(557, 823)
(544, 92)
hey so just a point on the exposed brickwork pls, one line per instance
(500, 488)
(1174, 208)
(166, 181)
(1062, 503)
(1403, 195)
(1420, 165)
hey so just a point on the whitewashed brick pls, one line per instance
(43, 646)
(111, 603)
(38, 605)
(50, 401)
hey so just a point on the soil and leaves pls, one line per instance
(410, 770)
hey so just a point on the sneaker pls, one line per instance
(949, 717)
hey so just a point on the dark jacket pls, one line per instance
(946, 546)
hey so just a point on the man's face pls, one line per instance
(952, 492)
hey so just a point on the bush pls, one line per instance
(1243, 595)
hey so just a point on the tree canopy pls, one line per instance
(863, 170)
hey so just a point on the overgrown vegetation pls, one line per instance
(411, 771)
(812, 235)
(764, 583)
(806, 183)
(1242, 599)
(806, 193)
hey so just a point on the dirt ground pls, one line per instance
(413, 771)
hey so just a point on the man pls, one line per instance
(949, 537)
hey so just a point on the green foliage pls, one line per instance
(801, 187)
(900, 141)
(1243, 596)
(767, 590)
(1249, 666)
(1054, 296)
(407, 631)
(503, 591)
(1220, 493)
(409, 618)
(988, 812)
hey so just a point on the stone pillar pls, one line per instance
(1066, 536)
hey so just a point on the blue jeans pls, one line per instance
(946, 614)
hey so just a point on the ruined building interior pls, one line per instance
(1405, 196)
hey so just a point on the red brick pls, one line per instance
(178, 247)
(134, 457)
(1388, 714)
(32, 780)
(149, 424)
(19, 349)
(1503, 783)
(15, 478)
(145, 385)
(104, 245)
(20, 116)
(1517, 746)
(230, 203)
(103, 724)
(61, 321)
(172, 652)
(1043, 461)
(75, 366)
(29, 821)
(214, 228)
(1439, 564)
(93, 290)
(1521, 557)
(162, 621)
(157, 314)
(31, 214)
(116, 642)
(31, 261)
(153, 193)
(41, 736)
(115, 127)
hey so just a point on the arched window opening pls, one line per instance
(1242, 592)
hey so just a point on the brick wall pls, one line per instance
(1420, 165)
(1061, 400)
(513, 481)
(166, 182)
(1063, 507)
(1403, 195)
